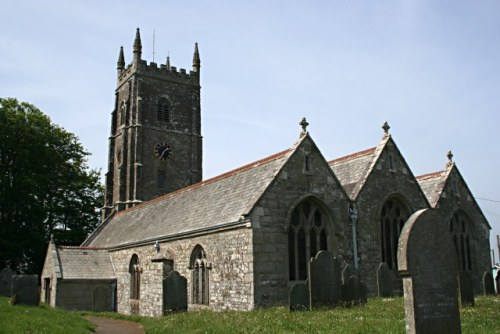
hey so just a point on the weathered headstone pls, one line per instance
(174, 292)
(298, 297)
(466, 288)
(488, 284)
(324, 280)
(363, 292)
(497, 280)
(384, 280)
(347, 272)
(25, 289)
(6, 281)
(354, 292)
(428, 265)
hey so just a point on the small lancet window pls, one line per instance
(163, 110)
(308, 163)
(391, 162)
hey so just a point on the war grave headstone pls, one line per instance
(384, 281)
(324, 280)
(25, 289)
(6, 281)
(488, 284)
(428, 265)
(466, 288)
(298, 297)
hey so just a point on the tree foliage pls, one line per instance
(46, 187)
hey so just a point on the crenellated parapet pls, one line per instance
(154, 70)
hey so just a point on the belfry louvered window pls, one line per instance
(199, 276)
(163, 110)
(462, 238)
(392, 218)
(307, 235)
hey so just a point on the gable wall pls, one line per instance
(230, 277)
(49, 271)
(382, 183)
(270, 222)
(448, 204)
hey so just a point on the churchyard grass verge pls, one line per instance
(21, 319)
(377, 316)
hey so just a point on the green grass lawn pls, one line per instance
(378, 316)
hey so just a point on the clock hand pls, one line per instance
(163, 153)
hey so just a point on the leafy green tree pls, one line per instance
(46, 187)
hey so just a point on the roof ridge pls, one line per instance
(211, 180)
(81, 247)
(352, 156)
(429, 175)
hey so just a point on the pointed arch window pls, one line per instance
(135, 277)
(462, 238)
(393, 216)
(307, 235)
(199, 276)
(163, 110)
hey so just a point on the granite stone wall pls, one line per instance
(229, 254)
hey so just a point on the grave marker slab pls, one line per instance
(466, 288)
(428, 265)
(174, 292)
(25, 289)
(488, 284)
(298, 297)
(324, 280)
(6, 281)
(384, 281)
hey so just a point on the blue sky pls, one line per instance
(429, 68)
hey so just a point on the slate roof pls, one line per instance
(214, 203)
(84, 263)
(432, 185)
(350, 169)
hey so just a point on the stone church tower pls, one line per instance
(155, 146)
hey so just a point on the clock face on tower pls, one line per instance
(163, 151)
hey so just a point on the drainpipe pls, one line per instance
(353, 214)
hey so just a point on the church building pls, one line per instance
(240, 240)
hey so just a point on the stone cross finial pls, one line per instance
(386, 128)
(450, 157)
(303, 123)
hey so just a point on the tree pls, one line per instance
(46, 187)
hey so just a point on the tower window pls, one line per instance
(161, 182)
(123, 113)
(163, 110)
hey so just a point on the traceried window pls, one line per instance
(199, 276)
(135, 277)
(392, 218)
(307, 235)
(163, 110)
(462, 238)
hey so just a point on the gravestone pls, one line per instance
(6, 281)
(324, 280)
(384, 280)
(466, 288)
(428, 265)
(347, 272)
(497, 280)
(25, 289)
(488, 284)
(174, 292)
(298, 297)
(354, 292)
